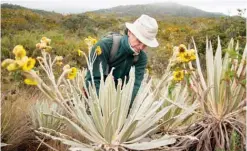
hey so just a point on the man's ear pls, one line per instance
(129, 33)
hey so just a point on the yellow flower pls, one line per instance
(94, 41)
(90, 41)
(13, 66)
(29, 64)
(45, 40)
(6, 62)
(98, 50)
(30, 82)
(17, 48)
(19, 52)
(79, 52)
(178, 75)
(181, 59)
(193, 55)
(187, 56)
(182, 48)
(72, 74)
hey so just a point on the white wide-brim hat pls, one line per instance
(145, 29)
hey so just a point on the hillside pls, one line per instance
(158, 10)
(18, 7)
(17, 18)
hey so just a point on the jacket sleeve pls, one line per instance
(139, 73)
(102, 58)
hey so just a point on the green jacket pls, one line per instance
(122, 63)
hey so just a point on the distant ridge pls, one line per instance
(158, 9)
(152, 9)
(41, 12)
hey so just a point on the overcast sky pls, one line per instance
(227, 7)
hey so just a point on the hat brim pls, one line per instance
(147, 42)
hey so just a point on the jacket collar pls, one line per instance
(135, 53)
(126, 46)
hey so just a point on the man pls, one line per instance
(140, 34)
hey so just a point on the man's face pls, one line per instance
(136, 44)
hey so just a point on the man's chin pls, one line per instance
(138, 51)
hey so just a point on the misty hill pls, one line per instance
(40, 12)
(158, 10)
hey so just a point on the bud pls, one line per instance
(59, 58)
(6, 62)
(13, 66)
(38, 45)
(66, 67)
(48, 48)
(19, 52)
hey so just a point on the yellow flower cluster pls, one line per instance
(180, 57)
(44, 44)
(72, 73)
(21, 60)
(26, 64)
(90, 41)
(185, 55)
(98, 50)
